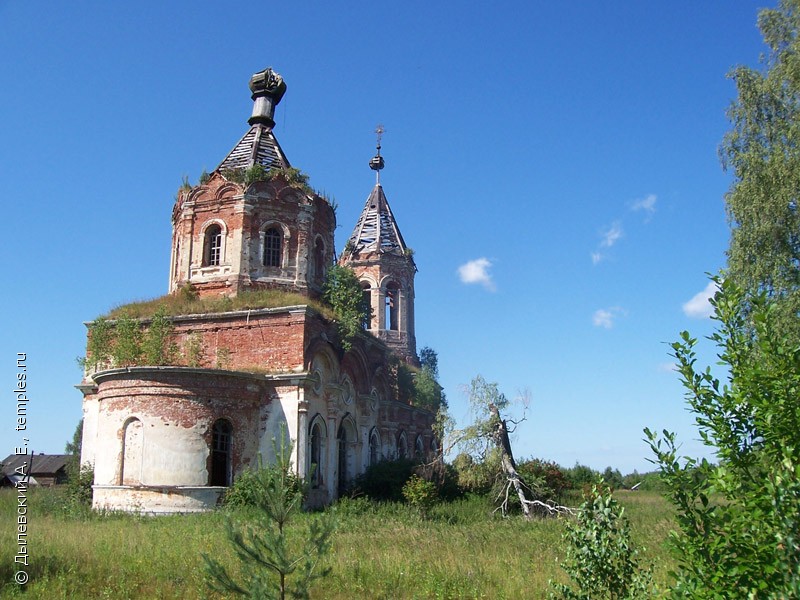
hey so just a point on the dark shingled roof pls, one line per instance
(376, 230)
(258, 146)
(43, 464)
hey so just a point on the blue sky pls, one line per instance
(554, 166)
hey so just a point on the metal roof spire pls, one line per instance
(376, 163)
(376, 230)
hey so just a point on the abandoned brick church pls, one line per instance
(171, 438)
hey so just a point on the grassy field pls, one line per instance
(379, 551)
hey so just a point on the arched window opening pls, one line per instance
(212, 248)
(434, 448)
(221, 434)
(374, 448)
(342, 439)
(319, 259)
(176, 268)
(273, 239)
(366, 292)
(392, 307)
(419, 448)
(132, 453)
(315, 455)
(345, 438)
(402, 445)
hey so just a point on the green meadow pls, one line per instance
(461, 550)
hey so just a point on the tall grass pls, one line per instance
(380, 551)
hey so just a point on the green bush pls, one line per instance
(477, 477)
(247, 488)
(545, 478)
(601, 560)
(421, 494)
(581, 477)
(739, 519)
(384, 481)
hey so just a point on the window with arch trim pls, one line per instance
(132, 452)
(419, 448)
(273, 247)
(402, 445)
(316, 453)
(212, 246)
(366, 292)
(392, 320)
(374, 448)
(319, 259)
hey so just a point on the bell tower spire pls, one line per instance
(378, 254)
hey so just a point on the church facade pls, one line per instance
(171, 437)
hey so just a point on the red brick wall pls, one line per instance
(270, 342)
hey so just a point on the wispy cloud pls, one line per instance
(647, 205)
(611, 235)
(699, 306)
(477, 271)
(606, 317)
(608, 238)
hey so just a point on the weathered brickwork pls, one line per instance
(245, 216)
(265, 340)
(379, 273)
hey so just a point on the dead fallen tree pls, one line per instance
(491, 432)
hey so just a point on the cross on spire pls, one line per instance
(376, 164)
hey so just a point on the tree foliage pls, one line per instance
(342, 291)
(762, 149)
(427, 392)
(73, 447)
(740, 518)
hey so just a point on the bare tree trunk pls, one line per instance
(500, 438)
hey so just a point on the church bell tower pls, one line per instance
(385, 267)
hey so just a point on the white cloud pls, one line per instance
(611, 236)
(605, 317)
(699, 306)
(477, 271)
(646, 205)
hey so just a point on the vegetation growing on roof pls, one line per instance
(140, 333)
(420, 386)
(342, 291)
(294, 177)
(187, 302)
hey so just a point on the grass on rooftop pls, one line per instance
(182, 303)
